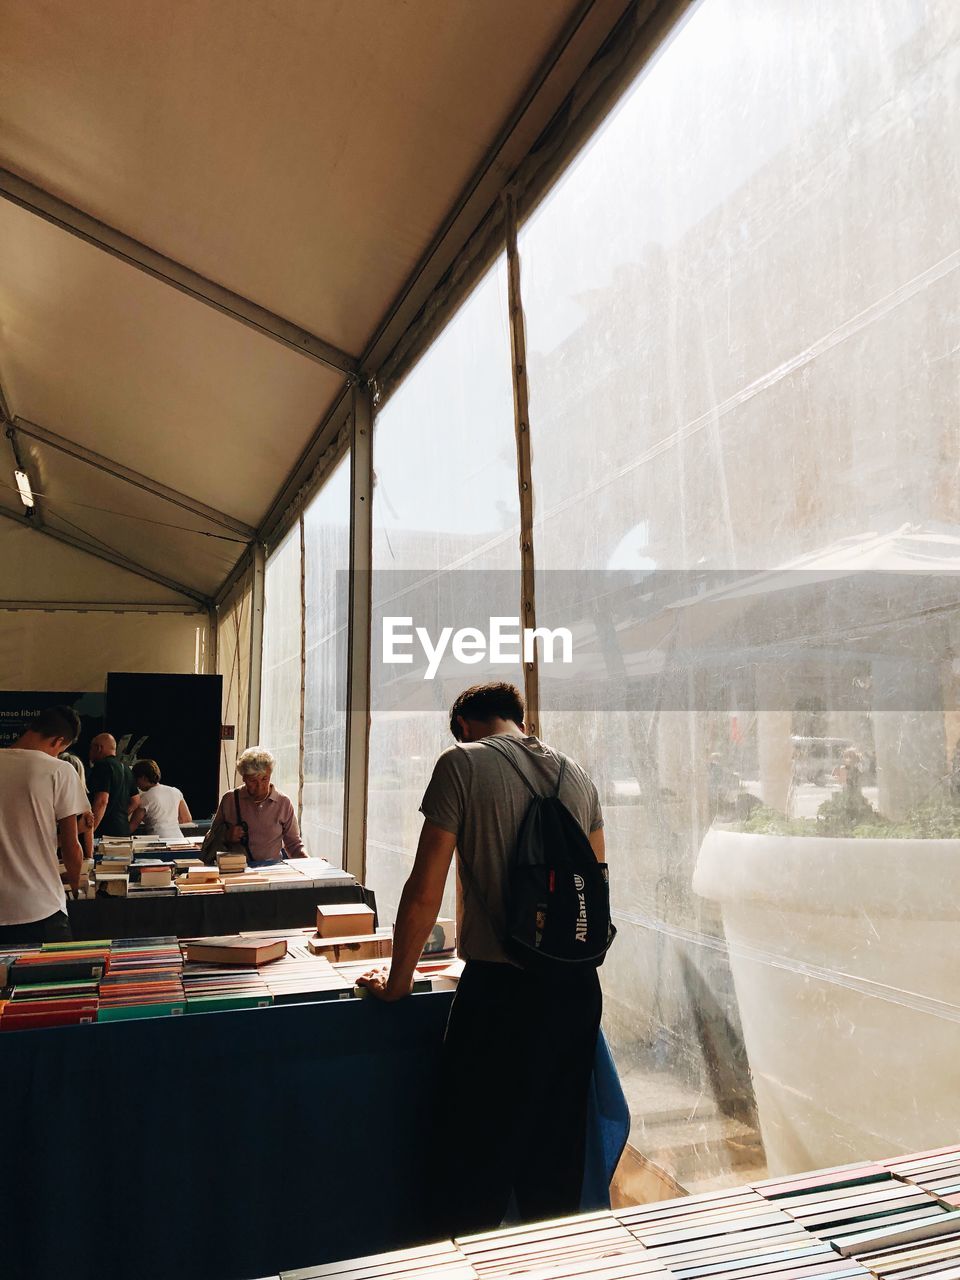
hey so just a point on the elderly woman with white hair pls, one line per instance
(258, 815)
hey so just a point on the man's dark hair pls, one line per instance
(494, 701)
(57, 722)
(148, 769)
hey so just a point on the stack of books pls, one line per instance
(115, 845)
(591, 1244)
(229, 864)
(362, 946)
(224, 973)
(935, 1171)
(934, 1251)
(155, 977)
(305, 977)
(158, 844)
(438, 961)
(153, 878)
(344, 920)
(245, 882)
(443, 974)
(442, 940)
(144, 980)
(61, 1004)
(442, 1261)
(937, 1258)
(235, 949)
(112, 870)
(55, 985)
(880, 1220)
(731, 1234)
(233, 874)
(200, 880)
(318, 872)
(59, 962)
(182, 865)
(86, 886)
(301, 873)
(212, 989)
(351, 970)
(862, 1210)
(283, 876)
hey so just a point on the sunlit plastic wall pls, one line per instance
(233, 664)
(743, 326)
(327, 555)
(445, 504)
(282, 655)
(743, 330)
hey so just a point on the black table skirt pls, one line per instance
(205, 914)
(222, 1146)
(231, 1144)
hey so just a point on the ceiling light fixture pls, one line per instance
(23, 484)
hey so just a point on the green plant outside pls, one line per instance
(843, 816)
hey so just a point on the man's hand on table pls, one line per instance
(377, 983)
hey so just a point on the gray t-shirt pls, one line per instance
(478, 796)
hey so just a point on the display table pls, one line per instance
(231, 1145)
(192, 916)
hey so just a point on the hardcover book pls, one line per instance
(236, 950)
(344, 920)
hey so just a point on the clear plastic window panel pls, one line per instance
(743, 349)
(327, 548)
(445, 544)
(280, 686)
(233, 663)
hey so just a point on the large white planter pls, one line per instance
(846, 961)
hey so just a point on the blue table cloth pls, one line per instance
(232, 1145)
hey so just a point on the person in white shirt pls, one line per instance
(41, 802)
(84, 829)
(161, 809)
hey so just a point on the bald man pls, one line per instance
(114, 793)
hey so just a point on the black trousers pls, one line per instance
(517, 1062)
(55, 928)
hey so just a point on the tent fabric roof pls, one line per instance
(301, 153)
(65, 570)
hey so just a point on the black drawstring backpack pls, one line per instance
(557, 893)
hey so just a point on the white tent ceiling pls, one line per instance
(307, 155)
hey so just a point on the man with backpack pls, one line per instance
(520, 1042)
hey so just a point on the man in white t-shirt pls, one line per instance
(41, 802)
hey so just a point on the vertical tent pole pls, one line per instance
(521, 416)
(258, 562)
(358, 641)
(303, 664)
(213, 641)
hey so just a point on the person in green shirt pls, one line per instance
(114, 793)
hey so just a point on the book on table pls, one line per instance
(344, 920)
(24, 971)
(236, 950)
(364, 946)
(202, 875)
(157, 875)
(442, 939)
(113, 884)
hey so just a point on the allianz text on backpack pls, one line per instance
(558, 895)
